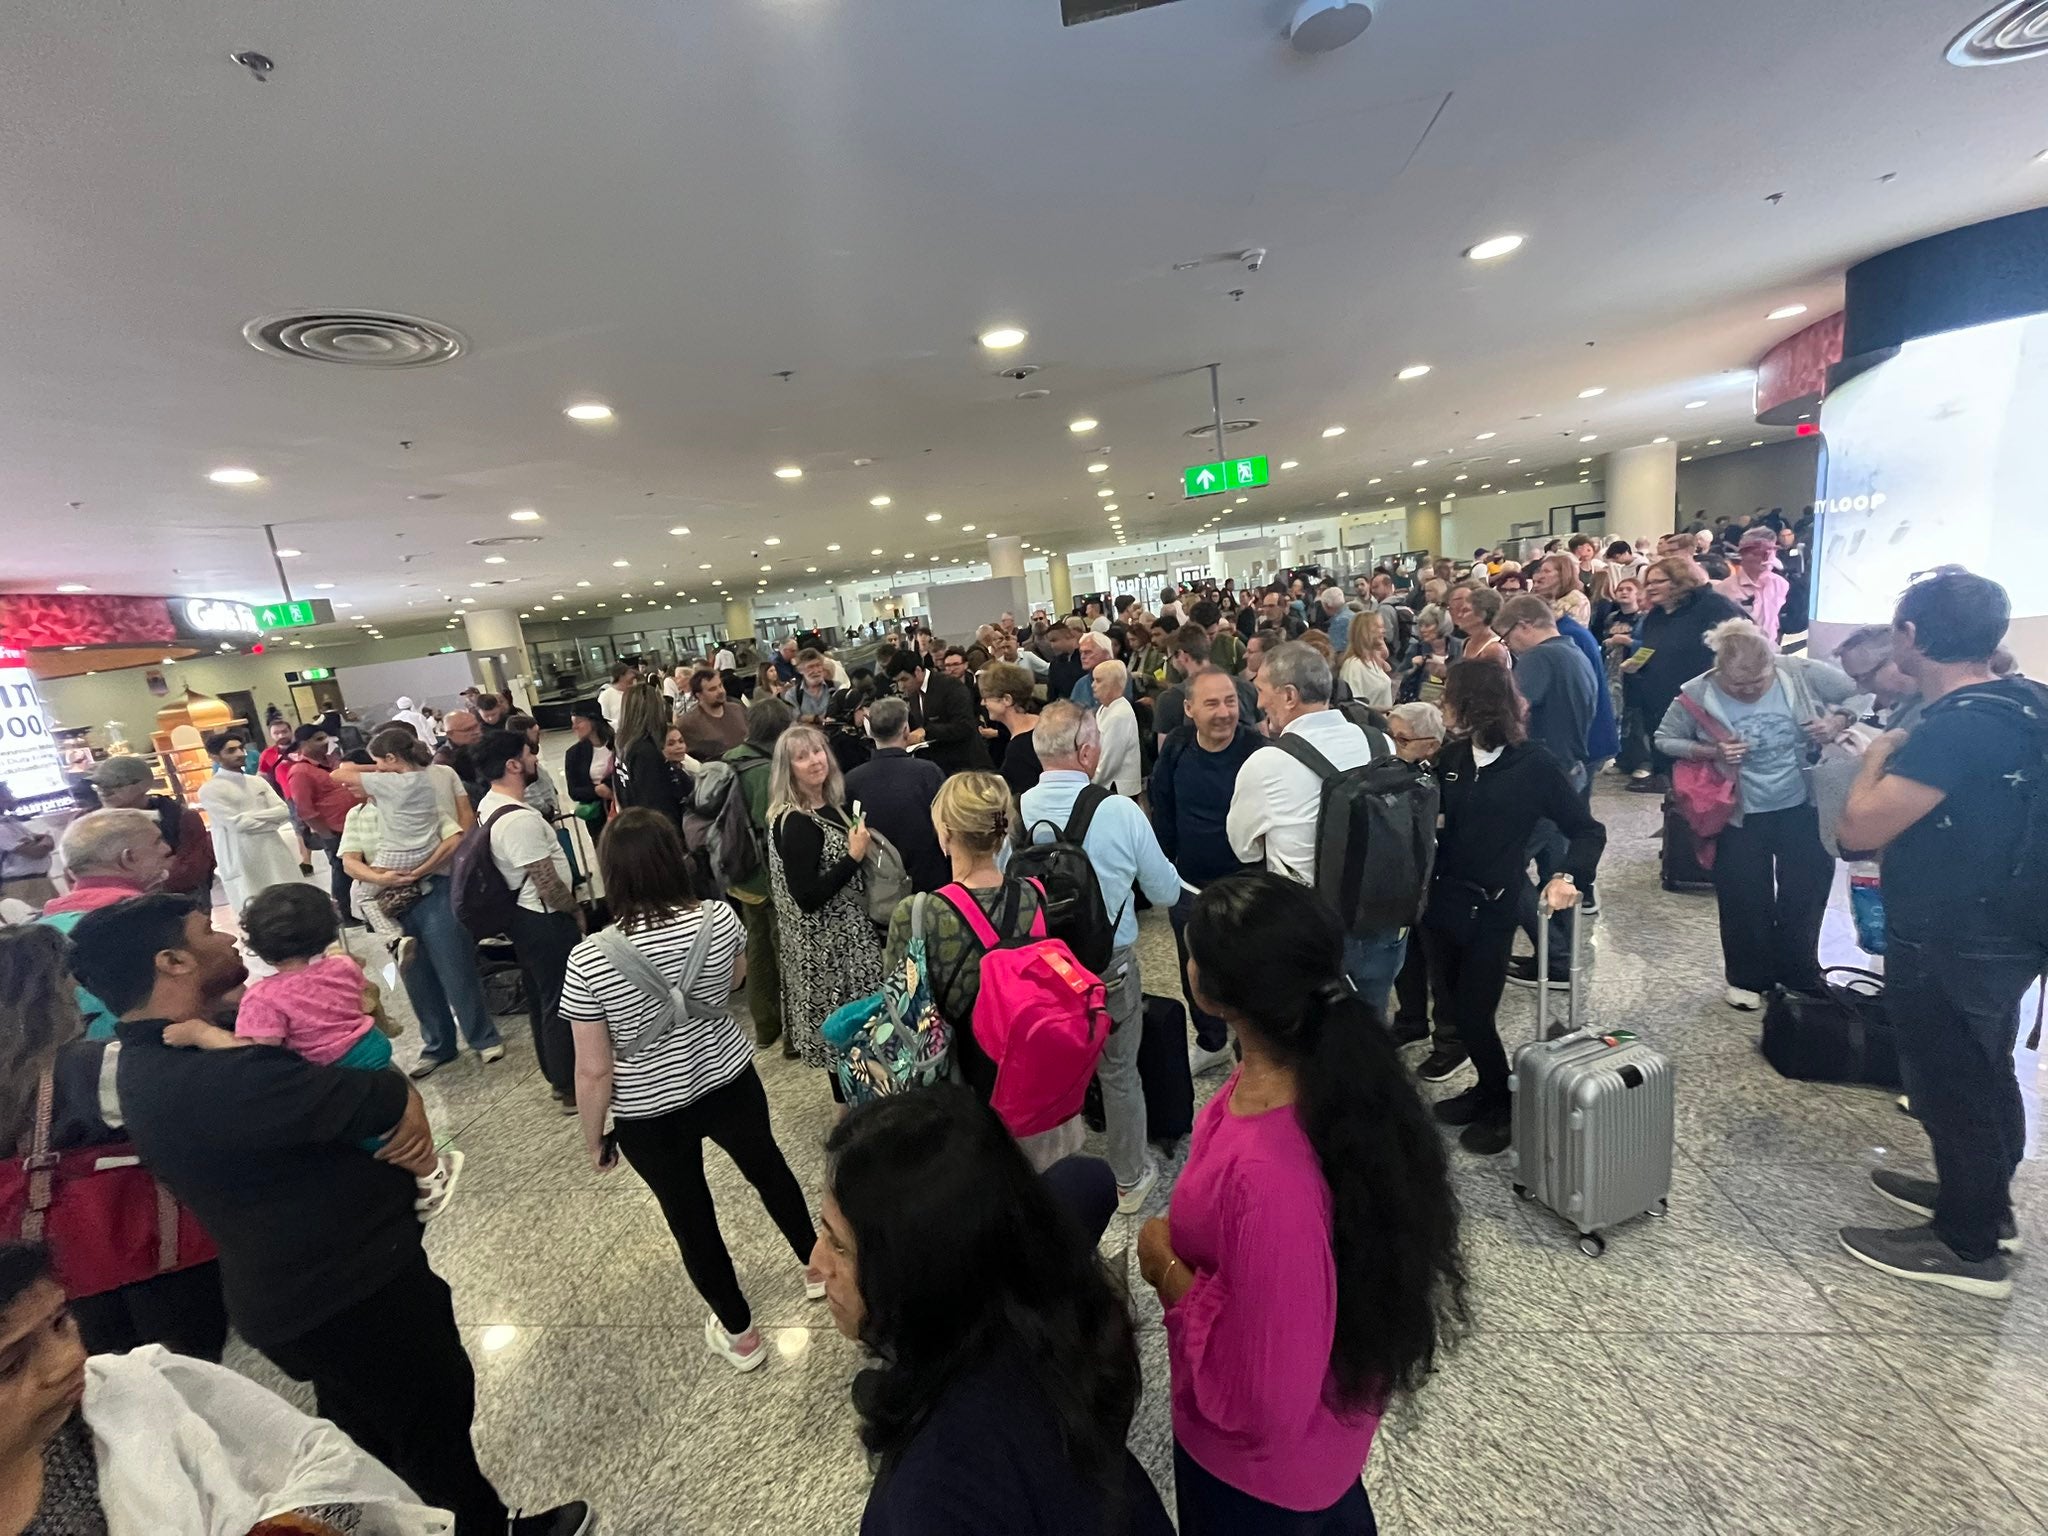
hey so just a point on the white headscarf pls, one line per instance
(415, 719)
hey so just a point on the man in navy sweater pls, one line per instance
(1191, 788)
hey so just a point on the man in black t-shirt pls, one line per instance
(1946, 805)
(320, 1252)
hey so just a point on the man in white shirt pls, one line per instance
(25, 851)
(1278, 800)
(723, 662)
(544, 926)
(1118, 725)
(612, 696)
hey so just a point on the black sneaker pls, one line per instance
(1408, 1031)
(1522, 972)
(1459, 1109)
(1655, 784)
(1589, 902)
(1488, 1138)
(1441, 1063)
(1916, 1253)
(572, 1519)
(1919, 1195)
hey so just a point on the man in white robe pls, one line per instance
(251, 826)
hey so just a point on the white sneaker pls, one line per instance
(1200, 1060)
(814, 1289)
(742, 1351)
(1129, 1201)
(1743, 998)
(438, 1187)
(1640, 773)
(491, 1053)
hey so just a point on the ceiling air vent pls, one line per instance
(1074, 12)
(1208, 428)
(361, 338)
(505, 538)
(2011, 32)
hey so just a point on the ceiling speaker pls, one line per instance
(1321, 25)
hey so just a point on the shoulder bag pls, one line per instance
(1705, 790)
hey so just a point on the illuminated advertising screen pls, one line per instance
(1936, 457)
(28, 758)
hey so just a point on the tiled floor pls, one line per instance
(1725, 1370)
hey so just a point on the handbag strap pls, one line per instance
(41, 1162)
(1707, 722)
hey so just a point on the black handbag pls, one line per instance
(1840, 1036)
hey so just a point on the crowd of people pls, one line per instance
(809, 847)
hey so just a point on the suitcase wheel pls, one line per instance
(1661, 1209)
(1523, 1191)
(1592, 1244)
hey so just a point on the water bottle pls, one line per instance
(1866, 905)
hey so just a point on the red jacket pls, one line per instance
(321, 800)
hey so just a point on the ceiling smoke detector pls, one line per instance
(360, 338)
(1021, 371)
(2011, 32)
(1321, 25)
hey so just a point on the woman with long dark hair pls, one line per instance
(1309, 1263)
(1009, 1365)
(1495, 786)
(670, 1082)
(641, 777)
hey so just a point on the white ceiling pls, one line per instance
(660, 205)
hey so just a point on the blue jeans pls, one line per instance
(1372, 961)
(1955, 1002)
(443, 983)
(1211, 1033)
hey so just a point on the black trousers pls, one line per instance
(339, 886)
(182, 1311)
(1209, 1506)
(668, 1152)
(1411, 997)
(1211, 1033)
(1771, 881)
(1466, 979)
(392, 1372)
(542, 941)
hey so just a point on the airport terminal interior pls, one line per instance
(780, 767)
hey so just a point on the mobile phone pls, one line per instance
(608, 1150)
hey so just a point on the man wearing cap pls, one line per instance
(1754, 586)
(123, 783)
(323, 803)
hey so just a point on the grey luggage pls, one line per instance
(1593, 1116)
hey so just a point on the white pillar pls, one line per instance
(1006, 557)
(739, 619)
(1426, 527)
(495, 632)
(1642, 491)
(1062, 585)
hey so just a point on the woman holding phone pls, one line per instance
(669, 1084)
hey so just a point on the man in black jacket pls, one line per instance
(951, 732)
(894, 790)
(320, 1252)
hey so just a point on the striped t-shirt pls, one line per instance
(706, 1053)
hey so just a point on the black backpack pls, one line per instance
(2025, 903)
(1375, 834)
(1074, 909)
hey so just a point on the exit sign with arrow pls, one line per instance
(1230, 475)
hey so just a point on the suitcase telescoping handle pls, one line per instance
(1571, 992)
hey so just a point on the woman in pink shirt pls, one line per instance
(1309, 1262)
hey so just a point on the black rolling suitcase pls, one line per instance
(1163, 1070)
(1678, 867)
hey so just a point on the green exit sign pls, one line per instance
(295, 615)
(1230, 475)
(315, 675)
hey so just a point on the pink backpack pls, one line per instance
(1041, 1017)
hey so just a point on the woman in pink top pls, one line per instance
(1309, 1262)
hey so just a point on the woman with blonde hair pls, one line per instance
(1761, 717)
(1365, 669)
(828, 949)
(1682, 608)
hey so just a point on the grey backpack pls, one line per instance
(641, 974)
(887, 879)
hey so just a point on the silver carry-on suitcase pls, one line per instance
(1593, 1115)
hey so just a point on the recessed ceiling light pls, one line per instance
(1786, 312)
(588, 410)
(582, 583)
(1389, 499)
(1713, 442)
(679, 532)
(910, 554)
(1003, 337)
(471, 600)
(1461, 477)
(967, 527)
(1290, 463)
(878, 501)
(1418, 463)
(73, 586)
(810, 567)
(1487, 486)
(1412, 371)
(767, 567)
(1333, 431)
(525, 515)
(233, 476)
(1493, 249)
(1083, 424)
(1587, 437)
(1342, 494)
(1585, 461)
(933, 517)
(1758, 443)
(1514, 461)
(619, 563)
(494, 559)
(832, 547)
(288, 554)
(1539, 482)
(771, 541)
(1694, 405)
(874, 551)
(789, 472)
(1109, 506)
(1660, 439)
(1588, 394)
(1685, 458)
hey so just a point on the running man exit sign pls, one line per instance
(1230, 475)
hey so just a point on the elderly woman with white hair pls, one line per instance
(1761, 717)
(1118, 724)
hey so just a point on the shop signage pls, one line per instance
(295, 615)
(28, 757)
(214, 616)
(1230, 475)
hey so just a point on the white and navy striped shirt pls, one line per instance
(704, 1054)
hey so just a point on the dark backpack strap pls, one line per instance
(1306, 755)
(1086, 804)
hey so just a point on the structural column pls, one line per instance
(1426, 527)
(1006, 557)
(494, 635)
(1062, 585)
(739, 619)
(1642, 491)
